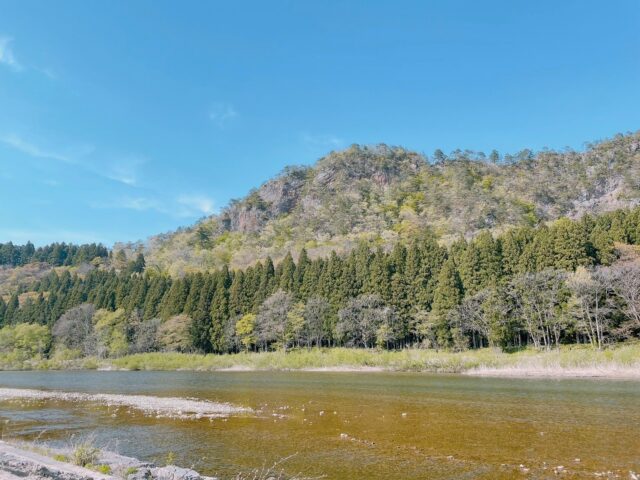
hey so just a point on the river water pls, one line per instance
(351, 425)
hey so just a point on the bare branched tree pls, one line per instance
(271, 322)
(469, 318)
(538, 299)
(316, 312)
(74, 329)
(591, 303)
(145, 336)
(361, 319)
(624, 279)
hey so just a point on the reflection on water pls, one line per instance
(346, 425)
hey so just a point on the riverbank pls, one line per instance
(620, 361)
(85, 462)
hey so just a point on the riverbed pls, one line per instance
(373, 425)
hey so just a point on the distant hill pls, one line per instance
(380, 194)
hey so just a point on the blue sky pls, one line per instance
(119, 120)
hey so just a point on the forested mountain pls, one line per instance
(381, 194)
(572, 281)
(379, 248)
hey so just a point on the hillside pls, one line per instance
(381, 193)
(519, 279)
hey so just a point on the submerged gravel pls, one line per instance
(174, 407)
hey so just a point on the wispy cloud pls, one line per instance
(18, 143)
(140, 204)
(222, 113)
(7, 57)
(322, 140)
(183, 206)
(199, 203)
(47, 72)
(123, 169)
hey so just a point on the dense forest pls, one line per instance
(572, 281)
(56, 254)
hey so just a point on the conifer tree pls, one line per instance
(349, 285)
(265, 286)
(11, 312)
(193, 298)
(153, 297)
(301, 268)
(447, 295)
(237, 302)
(512, 246)
(480, 264)
(432, 257)
(3, 309)
(603, 245)
(379, 276)
(570, 245)
(136, 299)
(287, 279)
(174, 300)
(220, 312)
(138, 265)
(311, 279)
(362, 259)
(201, 325)
(330, 280)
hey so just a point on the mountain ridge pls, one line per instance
(382, 194)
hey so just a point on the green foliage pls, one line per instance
(448, 294)
(23, 342)
(245, 330)
(111, 332)
(175, 334)
(56, 254)
(421, 290)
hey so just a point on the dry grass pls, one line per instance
(569, 360)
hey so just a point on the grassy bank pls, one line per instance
(621, 360)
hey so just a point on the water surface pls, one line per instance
(353, 425)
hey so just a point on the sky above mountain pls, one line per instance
(119, 120)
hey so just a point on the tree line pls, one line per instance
(56, 254)
(544, 286)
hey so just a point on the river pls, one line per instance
(351, 425)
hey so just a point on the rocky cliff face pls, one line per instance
(307, 190)
(381, 194)
(274, 198)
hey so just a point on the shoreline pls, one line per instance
(602, 373)
(563, 373)
(29, 460)
(617, 362)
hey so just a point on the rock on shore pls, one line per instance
(20, 463)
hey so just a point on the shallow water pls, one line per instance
(352, 425)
